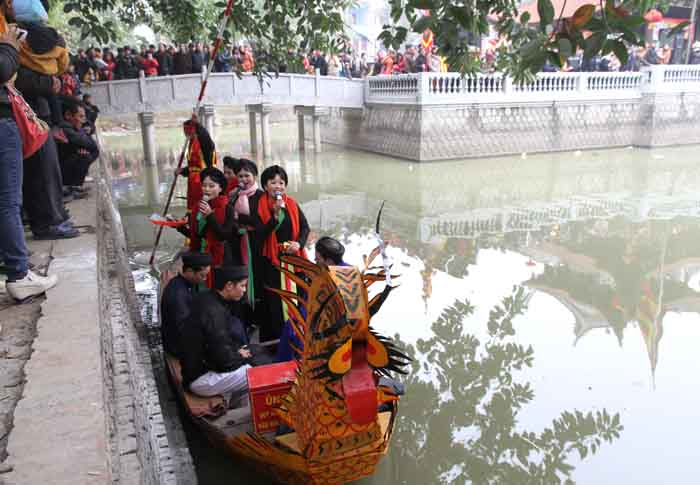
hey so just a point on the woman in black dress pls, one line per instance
(281, 228)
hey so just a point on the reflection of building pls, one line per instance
(633, 273)
(533, 216)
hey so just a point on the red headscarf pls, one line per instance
(265, 208)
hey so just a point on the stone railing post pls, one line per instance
(142, 87)
(654, 78)
(582, 86)
(507, 85)
(317, 83)
(423, 87)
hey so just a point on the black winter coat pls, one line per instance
(77, 140)
(208, 342)
(37, 89)
(8, 67)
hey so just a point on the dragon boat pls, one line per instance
(336, 401)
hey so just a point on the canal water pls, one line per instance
(550, 303)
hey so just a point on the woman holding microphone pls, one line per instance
(281, 228)
(210, 225)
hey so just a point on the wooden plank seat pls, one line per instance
(198, 406)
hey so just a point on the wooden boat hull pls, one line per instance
(279, 456)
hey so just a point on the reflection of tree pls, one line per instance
(460, 426)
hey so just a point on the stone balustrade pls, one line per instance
(178, 92)
(434, 116)
(452, 88)
(167, 93)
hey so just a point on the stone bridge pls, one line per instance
(431, 116)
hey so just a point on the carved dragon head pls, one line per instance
(341, 351)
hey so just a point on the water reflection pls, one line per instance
(603, 247)
(460, 421)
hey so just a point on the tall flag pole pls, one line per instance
(202, 90)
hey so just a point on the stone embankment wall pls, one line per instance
(440, 132)
(146, 441)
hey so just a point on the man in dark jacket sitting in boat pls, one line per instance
(214, 344)
(176, 301)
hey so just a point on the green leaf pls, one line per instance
(593, 44)
(529, 49)
(76, 22)
(525, 18)
(69, 7)
(546, 12)
(632, 21)
(423, 23)
(461, 15)
(565, 48)
(620, 50)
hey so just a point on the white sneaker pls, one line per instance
(30, 285)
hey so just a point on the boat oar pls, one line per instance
(202, 89)
(167, 202)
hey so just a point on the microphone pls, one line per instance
(278, 196)
(205, 198)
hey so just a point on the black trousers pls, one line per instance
(75, 168)
(42, 188)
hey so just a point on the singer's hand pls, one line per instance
(292, 248)
(204, 208)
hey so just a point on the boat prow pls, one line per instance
(281, 456)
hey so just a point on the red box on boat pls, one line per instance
(267, 384)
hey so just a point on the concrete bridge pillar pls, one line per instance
(300, 125)
(206, 117)
(264, 110)
(316, 113)
(152, 186)
(253, 125)
(148, 137)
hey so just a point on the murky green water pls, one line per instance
(551, 304)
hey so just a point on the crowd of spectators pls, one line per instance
(34, 57)
(104, 64)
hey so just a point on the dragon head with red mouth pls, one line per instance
(341, 353)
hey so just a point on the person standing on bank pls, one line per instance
(280, 228)
(176, 302)
(21, 282)
(215, 353)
